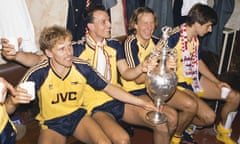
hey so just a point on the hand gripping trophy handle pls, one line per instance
(161, 81)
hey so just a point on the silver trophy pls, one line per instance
(161, 81)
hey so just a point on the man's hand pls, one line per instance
(5, 87)
(8, 50)
(150, 63)
(20, 96)
(172, 60)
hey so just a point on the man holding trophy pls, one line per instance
(137, 47)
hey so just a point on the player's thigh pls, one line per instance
(110, 126)
(89, 131)
(136, 115)
(211, 90)
(183, 101)
(48, 136)
(204, 111)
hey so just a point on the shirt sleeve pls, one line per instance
(94, 79)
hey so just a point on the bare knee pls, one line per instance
(190, 106)
(161, 128)
(209, 117)
(233, 98)
(103, 141)
(121, 139)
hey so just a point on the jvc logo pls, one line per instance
(70, 96)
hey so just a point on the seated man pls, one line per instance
(60, 82)
(138, 45)
(194, 78)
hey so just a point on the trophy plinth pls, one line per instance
(156, 117)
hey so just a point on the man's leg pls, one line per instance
(88, 131)
(187, 108)
(231, 103)
(205, 115)
(48, 136)
(162, 132)
(111, 128)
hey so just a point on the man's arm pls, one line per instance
(203, 69)
(129, 73)
(27, 59)
(120, 94)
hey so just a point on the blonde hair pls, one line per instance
(50, 35)
(135, 16)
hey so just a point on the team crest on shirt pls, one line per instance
(75, 83)
(50, 86)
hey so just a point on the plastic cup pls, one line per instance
(30, 87)
(224, 92)
(13, 41)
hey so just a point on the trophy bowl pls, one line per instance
(160, 87)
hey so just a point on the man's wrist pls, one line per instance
(16, 58)
(140, 69)
(10, 101)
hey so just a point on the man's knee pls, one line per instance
(161, 128)
(209, 117)
(121, 139)
(233, 97)
(190, 106)
(172, 117)
(103, 141)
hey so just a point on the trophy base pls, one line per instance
(156, 117)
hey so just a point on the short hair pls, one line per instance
(201, 14)
(135, 16)
(88, 13)
(50, 35)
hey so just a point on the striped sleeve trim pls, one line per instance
(40, 65)
(128, 52)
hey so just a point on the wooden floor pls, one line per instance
(208, 135)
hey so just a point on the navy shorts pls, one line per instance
(139, 92)
(188, 86)
(67, 124)
(114, 107)
(8, 135)
(185, 85)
